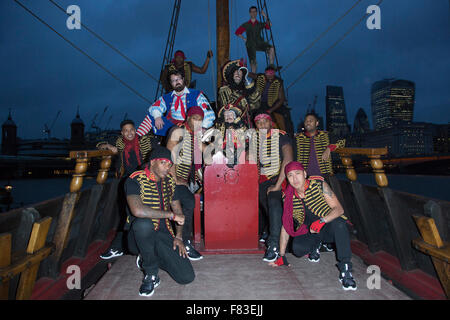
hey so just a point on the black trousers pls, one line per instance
(119, 241)
(271, 211)
(156, 250)
(187, 200)
(335, 231)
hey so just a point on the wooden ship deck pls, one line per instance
(245, 277)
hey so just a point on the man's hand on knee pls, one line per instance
(177, 242)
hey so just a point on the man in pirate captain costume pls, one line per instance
(133, 153)
(312, 214)
(186, 67)
(186, 170)
(171, 108)
(235, 101)
(153, 199)
(273, 150)
(238, 92)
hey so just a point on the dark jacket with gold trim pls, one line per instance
(150, 196)
(314, 200)
(321, 142)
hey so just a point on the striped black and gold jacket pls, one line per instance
(274, 89)
(246, 104)
(314, 201)
(156, 195)
(321, 142)
(185, 158)
(268, 153)
(145, 146)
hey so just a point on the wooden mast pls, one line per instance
(222, 37)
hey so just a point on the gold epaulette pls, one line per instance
(100, 143)
(136, 173)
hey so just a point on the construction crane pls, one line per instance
(48, 130)
(93, 125)
(101, 117)
(107, 123)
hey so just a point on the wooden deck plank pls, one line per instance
(240, 277)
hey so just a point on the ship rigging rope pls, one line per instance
(106, 42)
(213, 70)
(83, 52)
(321, 35)
(330, 48)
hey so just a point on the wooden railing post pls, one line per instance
(5, 261)
(377, 166)
(68, 208)
(374, 154)
(80, 170)
(349, 169)
(104, 168)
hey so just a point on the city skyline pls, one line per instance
(43, 74)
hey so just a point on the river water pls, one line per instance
(30, 191)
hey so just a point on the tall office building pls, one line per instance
(392, 101)
(361, 123)
(337, 124)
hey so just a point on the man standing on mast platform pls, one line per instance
(254, 42)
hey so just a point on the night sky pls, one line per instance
(41, 73)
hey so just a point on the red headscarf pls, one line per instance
(131, 145)
(195, 110)
(288, 222)
(178, 53)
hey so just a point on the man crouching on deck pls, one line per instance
(153, 200)
(310, 205)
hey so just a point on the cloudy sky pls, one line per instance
(42, 74)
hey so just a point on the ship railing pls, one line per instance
(42, 241)
(383, 223)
